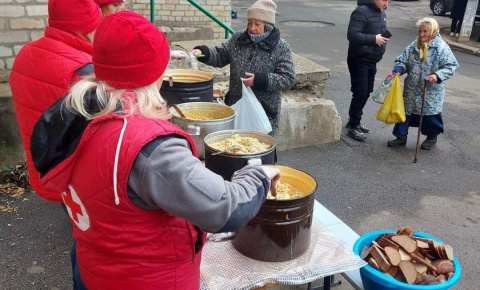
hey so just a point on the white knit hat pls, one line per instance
(263, 10)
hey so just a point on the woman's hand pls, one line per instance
(178, 54)
(380, 40)
(433, 78)
(249, 80)
(273, 174)
(197, 51)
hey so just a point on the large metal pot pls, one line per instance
(198, 129)
(281, 230)
(225, 164)
(187, 85)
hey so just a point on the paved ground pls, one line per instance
(366, 184)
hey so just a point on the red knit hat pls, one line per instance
(79, 16)
(106, 2)
(129, 51)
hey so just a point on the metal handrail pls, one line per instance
(227, 28)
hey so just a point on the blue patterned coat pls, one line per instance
(441, 61)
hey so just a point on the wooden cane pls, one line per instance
(421, 121)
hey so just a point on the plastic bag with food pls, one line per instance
(250, 113)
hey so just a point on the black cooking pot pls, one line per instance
(281, 230)
(187, 85)
(225, 164)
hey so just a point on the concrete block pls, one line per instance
(3, 24)
(34, 35)
(188, 33)
(9, 62)
(5, 90)
(26, 23)
(178, 13)
(307, 121)
(6, 1)
(5, 51)
(12, 11)
(37, 10)
(4, 73)
(10, 36)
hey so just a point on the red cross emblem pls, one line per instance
(75, 208)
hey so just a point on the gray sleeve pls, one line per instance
(283, 78)
(167, 176)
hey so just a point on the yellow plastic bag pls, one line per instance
(393, 110)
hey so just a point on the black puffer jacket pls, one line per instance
(366, 21)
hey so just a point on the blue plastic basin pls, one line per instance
(373, 279)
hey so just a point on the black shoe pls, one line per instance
(361, 127)
(402, 142)
(356, 134)
(429, 143)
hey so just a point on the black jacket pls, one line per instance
(366, 21)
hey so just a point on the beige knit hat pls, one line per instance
(263, 10)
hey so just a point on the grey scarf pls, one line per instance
(257, 38)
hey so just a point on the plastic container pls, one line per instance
(374, 279)
(382, 91)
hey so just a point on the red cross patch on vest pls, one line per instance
(75, 208)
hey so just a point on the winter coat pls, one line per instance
(366, 21)
(458, 9)
(270, 61)
(441, 62)
(42, 73)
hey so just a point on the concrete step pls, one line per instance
(187, 33)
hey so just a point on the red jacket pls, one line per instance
(43, 72)
(120, 246)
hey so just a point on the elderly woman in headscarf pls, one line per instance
(428, 58)
(258, 56)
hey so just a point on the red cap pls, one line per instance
(129, 51)
(79, 16)
(106, 2)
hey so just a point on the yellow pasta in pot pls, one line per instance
(285, 191)
(241, 145)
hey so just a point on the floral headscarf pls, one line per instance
(434, 31)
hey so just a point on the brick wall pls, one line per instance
(182, 13)
(20, 22)
(24, 20)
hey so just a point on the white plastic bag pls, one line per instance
(250, 113)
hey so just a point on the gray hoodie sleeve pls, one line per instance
(167, 176)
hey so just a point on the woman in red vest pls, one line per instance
(139, 200)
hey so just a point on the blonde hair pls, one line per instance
(145, 101)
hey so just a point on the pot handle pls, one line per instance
(255, 161)
(193, 130)
(220, 101)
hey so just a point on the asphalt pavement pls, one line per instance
(366, 184)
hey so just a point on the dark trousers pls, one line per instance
(362, 76)
(456, 25)
(431, 125)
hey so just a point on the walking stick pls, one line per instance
(421, 119)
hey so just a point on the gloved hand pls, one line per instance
(398, 69)
(273, 174)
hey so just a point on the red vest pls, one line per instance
(42, 73)
(120, 246)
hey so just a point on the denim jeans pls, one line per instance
(362, 76)
(77, 279)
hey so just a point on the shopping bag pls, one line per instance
(382, 91)
(393, 110)
(250, 114)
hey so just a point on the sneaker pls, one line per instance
(402, 142)
(361, 127)
(457, 35)
(452, 33)
(356, 134)
(429, 143)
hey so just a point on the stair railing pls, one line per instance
(227, 28)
